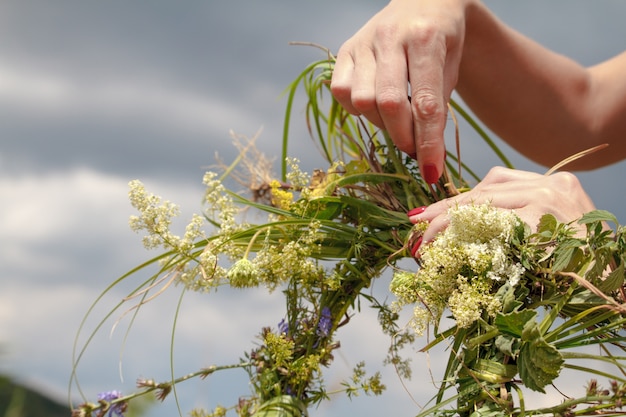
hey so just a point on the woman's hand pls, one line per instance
(409, 41)
(531, 195)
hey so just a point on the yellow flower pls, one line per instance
(280, 198)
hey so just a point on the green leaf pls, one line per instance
(506, 296)
(493, 371)
(598, 216)
(515, 322)
(508, 345)
(613, 281)
(373, 215)
(567, 255)
(547, 225)
(539, 362)
(357, 166)
(282, 406)
(325, 208)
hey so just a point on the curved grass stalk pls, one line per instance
(292, 89)
(582, 329)
(161, 388)
(575, 157)
(594, 371)
(481, 132)
(77, 354)
(172, 342)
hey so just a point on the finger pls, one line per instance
(510, 195)
(341, 81)
(499, 175)
(364, 85)
(513, 194)
(392, 94)
(426, 69)
(435, 227)
(527, 214)
(432, 211)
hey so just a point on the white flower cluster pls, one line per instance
(461, 269)
(278, 263)
(296, 177)
(219, 203)
(156, 218)
(284, 252)
(198, 270)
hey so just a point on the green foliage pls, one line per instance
(524, 302)
(20, 401)
(282, 406)
(571, 296)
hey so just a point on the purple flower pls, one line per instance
(117, 408)
(283, 327)
(325, 323)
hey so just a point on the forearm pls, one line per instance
(545, 105)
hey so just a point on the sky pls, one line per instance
(95, 94)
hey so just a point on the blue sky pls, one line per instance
(93, 95)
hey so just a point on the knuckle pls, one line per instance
(497, 172)
(340, 90)
(566, 180)
(363, 101)
(391, 100)
(427, 105)
(422, 31)
(387, 32)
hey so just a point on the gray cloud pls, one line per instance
(93, 95)
(128, 87)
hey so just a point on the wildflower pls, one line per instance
(470, 299)
(279, 348)
(296, 177)
(155, 216)
(117, 408)
(280, 198)
(281, 263)
(243, 274)
(462, 267)
(283, 327)
(321, 179)
(193, 232)
(221, 203)
(325, 323)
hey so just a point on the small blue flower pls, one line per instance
(325, 323)
(283, 327)
(117, 408)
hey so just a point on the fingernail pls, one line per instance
(413, 155)
(430, 173)
(416, 246)
(416, 211)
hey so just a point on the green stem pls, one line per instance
(165, 387)
(604, 402)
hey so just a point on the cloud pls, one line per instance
(120, 100)
(94, 95)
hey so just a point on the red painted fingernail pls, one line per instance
(413, 155)
(416, 211)
(416, 247)
(429, 171)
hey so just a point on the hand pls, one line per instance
(531, 195)
(410, 41)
